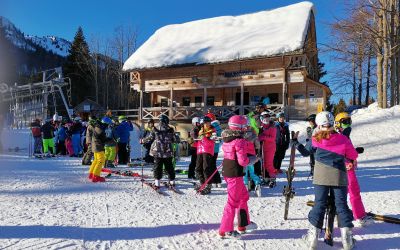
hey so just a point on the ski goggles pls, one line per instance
(346, 121)
(266, 116)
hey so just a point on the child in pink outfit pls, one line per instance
(234, 165)
(267, 138)
(354, 191)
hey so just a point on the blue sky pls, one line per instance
(62, 18)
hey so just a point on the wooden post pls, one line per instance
(306, 98)
(241, 99)
(171, 106)
(213, 76)
(223, 97)
(205, 101)
(324, 100)
(141, 105)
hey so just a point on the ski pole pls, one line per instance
(208, 179)
(142, 161)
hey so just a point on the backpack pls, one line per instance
(109, 133)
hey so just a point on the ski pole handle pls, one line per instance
(208, 179)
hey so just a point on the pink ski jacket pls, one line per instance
(268, 136)
(235, 153)
(207, 146)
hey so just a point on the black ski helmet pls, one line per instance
(151, 121)
(311, 118)
(164, 119)
(205, 119)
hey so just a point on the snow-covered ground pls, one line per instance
(50, 204)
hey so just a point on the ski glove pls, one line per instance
(360, 150)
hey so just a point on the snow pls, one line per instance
(226, 38)
(57, 45)
(50, 204)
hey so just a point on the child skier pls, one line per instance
(98, 140)
(37, 135)
(253, 145)
(205, 152)
(62, 134)
(194, 134)
(163, 136)
(111, 143)
(87, 158)
(76, 136)
(343, 126)
(282, 142)
(48, 133)
(68, 140)
(330, 150)
(267, 138)
(216, 180)
(235, 161)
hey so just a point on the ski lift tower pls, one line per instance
(50, 85)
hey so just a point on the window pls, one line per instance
(210, 100)
(197, 101)
(186, 101)
(273, 98)
(164, 102)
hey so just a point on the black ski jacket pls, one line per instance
(47, 130)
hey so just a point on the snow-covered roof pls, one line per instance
(226, 38)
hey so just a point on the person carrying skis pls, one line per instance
(62, 135)
(123, 130)
(98, 141)
(343, 126)
(111, 143)
(205, 152)
(216, 180)
(48, 133)
(37, 135)
(194, 134)
(330, 151)
(148, 158)
(76, 136)
(162, 136)
(87, 158)
(267, 138)
(310, 132)
(282, 142)
(235, 161)
(253, 146)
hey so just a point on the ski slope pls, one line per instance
(50, 204)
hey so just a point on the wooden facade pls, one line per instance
(182, 92)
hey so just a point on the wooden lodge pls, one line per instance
(225, 88)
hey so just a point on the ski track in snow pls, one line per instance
(51, 204)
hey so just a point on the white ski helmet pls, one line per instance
(195, 120)
(265, 116)
(325, 119)
(77, 119)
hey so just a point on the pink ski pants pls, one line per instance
(354, 193)
(237, 200)
(268, 162)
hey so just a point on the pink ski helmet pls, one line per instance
(237, 122)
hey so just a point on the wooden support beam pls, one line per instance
(223, 97)
(241, 99)
(213, 76)
(205, 101)
(171, 106)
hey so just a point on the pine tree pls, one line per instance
(76, 68)
(340, 107)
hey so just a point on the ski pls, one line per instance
(152, 187)
(139, 164)
(124, 173)
(169, 186)
(16, 149)
(191, 182)
(372, 215)
(288, 192)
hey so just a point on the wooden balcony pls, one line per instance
(187, 113)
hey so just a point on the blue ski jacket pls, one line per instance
(123, 131)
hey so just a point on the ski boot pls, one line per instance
(258, 190)
(347, 238)
(233, 235)
(172, 183)
(247, 229)
(272, 182)
(206, 190)
(106, 164)
(311, 238)
(157, 183)
(365, 221)
(265, 181)
(197, 187)
(91, 176)
(97, 179)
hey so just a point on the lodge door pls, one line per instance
(246, 100)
